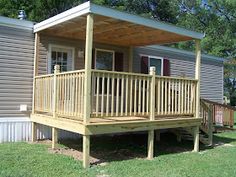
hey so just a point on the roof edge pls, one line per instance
(16, 23)
(120, 15)
(183, 52)
(64, 16)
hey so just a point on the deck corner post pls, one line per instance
(36, 60)
(150, 144)
(152, 72)
(55, 92)
(88, 72)
(86, 151)
(33, 132)
(54, 137)
(196, 139)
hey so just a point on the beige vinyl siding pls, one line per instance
(16, 70)
(77, 45)
(183, 65)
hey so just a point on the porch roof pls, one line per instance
(113, 27)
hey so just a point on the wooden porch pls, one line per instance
(91, 101)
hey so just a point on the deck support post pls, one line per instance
(86, 151)
(197, 77)
(88, 63)
(150, 144)
(33, 131)
(152, 72)
(196, 139)
(36, 60)
(54, 137)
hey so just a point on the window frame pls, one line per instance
(64, 47)
(155, 57)
(105, 50)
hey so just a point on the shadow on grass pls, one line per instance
(118, 147)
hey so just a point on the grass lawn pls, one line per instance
(125, 157)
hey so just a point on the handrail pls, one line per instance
(220, 104)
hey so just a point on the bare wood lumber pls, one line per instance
(86, 151)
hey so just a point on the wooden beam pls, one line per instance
(33, 131)
(197, 76)
(54, 137)
(60, 123)
(134, 126)
(36, 60)
(150, 144)
(86, 151)
(88, 63)
(131, 55)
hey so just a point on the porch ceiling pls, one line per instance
(113, 27)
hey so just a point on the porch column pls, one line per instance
(87, 87)
(36, 60)
(88, 62)
(197, 77)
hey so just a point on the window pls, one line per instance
(158, 63)
(62, 56)
(104, 59)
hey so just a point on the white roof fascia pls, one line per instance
(16, 23)
(183, 52)
(100, 10)
(64, 16)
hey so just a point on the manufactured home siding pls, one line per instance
(183, 65)
(16, 70)
(78, 45)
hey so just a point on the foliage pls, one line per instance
(215, 18)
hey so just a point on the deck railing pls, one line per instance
(175, 96)
(120, 94)
(114, 94)
(68, 99)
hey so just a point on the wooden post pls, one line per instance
(197, 76)
(197, 109)
(196, 138)
(88, 62)
(55, 92)
(36, 60)
(150, 144)
(54, 137)
(210, 125)
(86, 150)
(33, 131)
(130, 59)
(152, 72)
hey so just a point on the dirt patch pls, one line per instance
(77, 155)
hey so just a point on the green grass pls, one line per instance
(172, 159)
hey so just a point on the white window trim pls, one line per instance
(50, 46)
(154, 57)
(105, 50)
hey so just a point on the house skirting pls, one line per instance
(18, 129)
